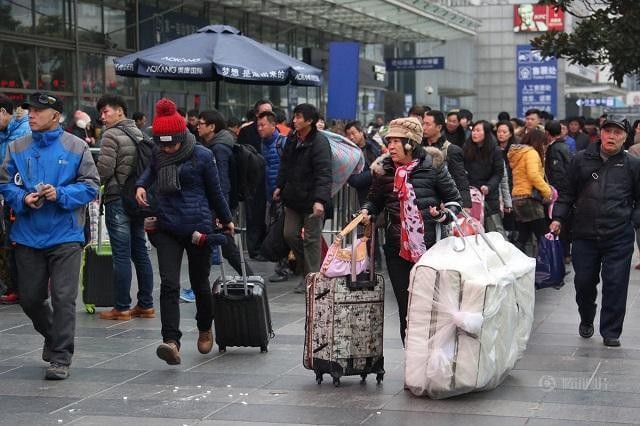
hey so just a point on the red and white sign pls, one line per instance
(530, 18)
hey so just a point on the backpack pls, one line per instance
(247, 173)
(145, 148)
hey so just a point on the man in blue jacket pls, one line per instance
(48, 178)
(11, 128)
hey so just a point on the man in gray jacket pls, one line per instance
(117, 161)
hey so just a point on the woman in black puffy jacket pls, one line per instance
(484, 162)
(409, 176)
(187, 188)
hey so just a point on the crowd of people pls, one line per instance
(574, 178)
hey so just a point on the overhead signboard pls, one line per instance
(537, 81)
(415, 64)
(532, 18)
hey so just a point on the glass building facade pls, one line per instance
(42, 48)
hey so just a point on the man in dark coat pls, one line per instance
(256, 207)
(556, 165)
(603, 190)
(432, 125)
(304, 185)
(576, 125)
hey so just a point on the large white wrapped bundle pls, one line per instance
(470, 315)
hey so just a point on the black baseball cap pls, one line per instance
(42, 100)
(617, 122)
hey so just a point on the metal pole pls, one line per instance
(77, 52)
(217, 100)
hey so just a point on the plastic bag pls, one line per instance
(550, 270)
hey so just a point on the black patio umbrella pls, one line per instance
(215, 53)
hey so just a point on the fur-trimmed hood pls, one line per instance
(433, 157)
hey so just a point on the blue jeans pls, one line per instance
(128, 243)
(611, 259)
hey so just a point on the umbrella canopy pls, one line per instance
(218, 52)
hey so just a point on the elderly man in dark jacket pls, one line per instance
(603, 190)
(117, 161)
(304, 185)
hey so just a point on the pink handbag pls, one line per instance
(350, 260)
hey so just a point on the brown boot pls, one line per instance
(115, 314)
(169, 352)
(205, 341)
(139, 312)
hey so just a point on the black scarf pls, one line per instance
(167, 178)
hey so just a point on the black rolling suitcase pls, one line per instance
(241, 310)
(96, 274)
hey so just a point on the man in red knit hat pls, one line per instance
(188, 193)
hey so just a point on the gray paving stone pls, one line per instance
(291, 414)
(187, 409)
(399, 418)
(562, 379)
(10, 404)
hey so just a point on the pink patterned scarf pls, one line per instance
(412, 244)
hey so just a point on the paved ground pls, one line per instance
(117, 379)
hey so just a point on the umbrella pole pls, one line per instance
(217, 98)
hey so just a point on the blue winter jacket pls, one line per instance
(16, 128)
(59, 159)
(271, 150)
(190, 209)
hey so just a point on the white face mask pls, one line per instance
(82, 124)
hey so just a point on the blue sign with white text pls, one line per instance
(415, 64)
(537, 81)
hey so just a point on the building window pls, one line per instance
(17, 16)
(17, 67)
(52, 18)
(90, 23)
(54, 70)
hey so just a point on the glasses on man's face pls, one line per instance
(202, 123)
(46, 99)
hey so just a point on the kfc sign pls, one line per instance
(532, 18)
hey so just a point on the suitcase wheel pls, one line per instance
(263, 349)
(336, 381)
(319, 378)
(91, 309)
(222, 349)
(379, 377)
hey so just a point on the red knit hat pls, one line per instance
(168, 127)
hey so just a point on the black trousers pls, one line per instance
(255, 212)
(398, 269)
(55, 270)
(170, 249)
(611, 259)
(538, 227)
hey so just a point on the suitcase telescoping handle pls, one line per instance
(243, 268)
(352, 228)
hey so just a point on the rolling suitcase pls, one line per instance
(344, 320)
(241, 310)
(96, 273)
